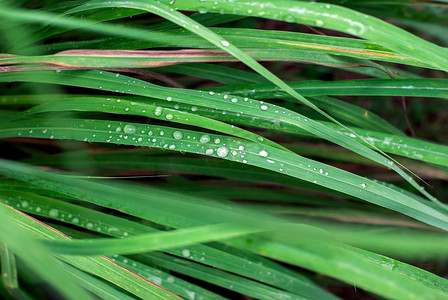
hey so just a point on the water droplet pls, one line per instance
(75, 220)
(209, 151)
(162, 133)
(211, 92)
(178, 135)
(241, 148)
(321, 171)
(222, 151)
(112, 229)
(38, 209)
(234, 100)
(158, 111)
(130, 128)
(263, 153)
(204, 139)
(186, 252)
(264, 107)
(319, 23)
(25, 204)
(191, 294)
(117, 75)
(169, 98)
(169, 116)
(202, 10)
(289, 19)
(225, 43)
(217, 141)
(194, 108)
(54, 213)
(363, 185)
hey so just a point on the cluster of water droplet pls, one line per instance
(40, 208)
(157, 276)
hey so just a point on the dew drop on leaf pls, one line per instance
(158, 111)
(178, 135)
(191, 295)
(222, 151)
(186, 253)
(54, 213)
(130, 128)
(263, 153)
(289, 19)
(204, 139)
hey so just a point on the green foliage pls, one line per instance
(150, 154)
